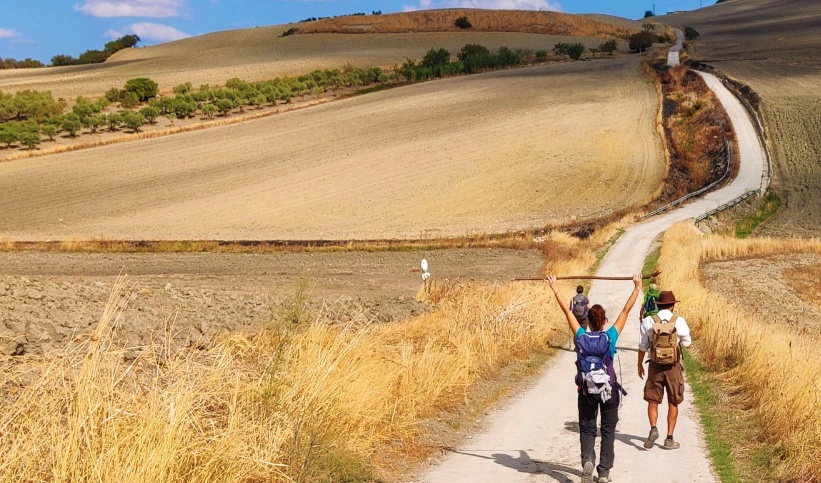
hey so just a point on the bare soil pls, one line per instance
(487, 153)
(46, 299)
(782, 289)
(772, 46)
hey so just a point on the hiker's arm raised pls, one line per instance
(571, 319)
(631, 300)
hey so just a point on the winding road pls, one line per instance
(534, 438)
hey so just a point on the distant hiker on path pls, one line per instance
(596, 380)
(662, 336)
(649, 305)
(580, 305)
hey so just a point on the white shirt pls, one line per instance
(682, 329)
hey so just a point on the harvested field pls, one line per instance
(780, 289)
(48, 299)
(442, 20)
(772, 46)
(499, 151)
(259, 54)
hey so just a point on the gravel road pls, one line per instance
(534, 437)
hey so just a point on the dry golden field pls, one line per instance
(768, 365)
(506, 150)
(773, 46)
(442, 20)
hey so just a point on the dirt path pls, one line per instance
(535, 438)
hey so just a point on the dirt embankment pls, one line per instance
(47, 299)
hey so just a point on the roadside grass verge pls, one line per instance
(770, 374)
(767, 207)
(729, 431)
(300, 401)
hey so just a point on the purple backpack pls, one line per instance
(593, 354)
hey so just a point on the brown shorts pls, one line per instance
(662, 378)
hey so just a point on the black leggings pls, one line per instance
(588, 416)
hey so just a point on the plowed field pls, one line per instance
(506, 150)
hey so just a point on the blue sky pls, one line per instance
(41, 29)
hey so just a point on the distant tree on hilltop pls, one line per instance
(462, 23)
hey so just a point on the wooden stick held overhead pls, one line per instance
(587, 277)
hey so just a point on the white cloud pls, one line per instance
(132, 8)
(8, 34)
(113, 34)
(156, 33)
(487, 4)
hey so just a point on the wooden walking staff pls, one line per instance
(589, 277)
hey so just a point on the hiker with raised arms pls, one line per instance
(662, 336)
(596, 381)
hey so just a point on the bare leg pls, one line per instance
(672, 416)
(653, 413)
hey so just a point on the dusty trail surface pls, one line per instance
(535, 438)
(486, 153)
(48, 298)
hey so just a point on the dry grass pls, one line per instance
(524, 21)
(292, 403)
(773, 373)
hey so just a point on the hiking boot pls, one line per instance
(669, 443)
(652, 437)
(587, 474)
(604, 479)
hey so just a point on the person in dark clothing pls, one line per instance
(588, 406)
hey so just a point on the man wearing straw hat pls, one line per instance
(662, 335)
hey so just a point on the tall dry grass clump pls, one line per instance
(304, 400)
(442, 20)
(774, 373)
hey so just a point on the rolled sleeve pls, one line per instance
(644, 340)
(683, 331)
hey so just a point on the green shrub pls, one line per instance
(641, 41)
(690, 33)
(462, 23)
(143, 87)
(576, 50)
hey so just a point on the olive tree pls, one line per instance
(143, 87)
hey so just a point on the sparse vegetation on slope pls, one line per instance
(695, 125)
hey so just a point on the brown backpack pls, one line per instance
(664, 341)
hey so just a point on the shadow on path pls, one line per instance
(628, 439)
(525, 464)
